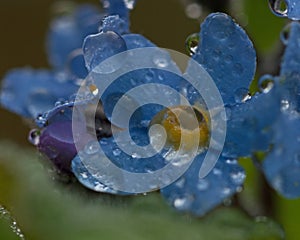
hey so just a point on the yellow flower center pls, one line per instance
(181, 128)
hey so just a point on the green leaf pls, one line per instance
(45, 209)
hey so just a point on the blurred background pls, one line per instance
(167, 23)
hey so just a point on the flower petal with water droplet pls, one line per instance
(227, 54)
(198, 196)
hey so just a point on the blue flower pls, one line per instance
(227, 54)
(281, 165)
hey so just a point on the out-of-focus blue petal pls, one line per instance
(249, 124)
(30, 92)
(198, 196)
(76, 65)
(88, 19)
(291, 60)
(290, 10)
(114, 23)
(282, 164)
(119, 7)
(290, 68)
(227, 54)
(67, 33)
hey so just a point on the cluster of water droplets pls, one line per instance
(6, 216)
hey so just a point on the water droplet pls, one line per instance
(285, 34)
(92, 148)
(34, 137)
(285, 105)
(217, 171)
(135, 155)
(180, 183)
(231, 161)
(241, 95)
(193, 10)
(94, 90)
(266, 83)
(239, 189)
(226, 191)
(238, 177)
(202, 184)
(84, 175)
(150, 75)
(228, 59)
(279, 7)
(227, 202)
(183, 203)
(191, 43)
(129, 4)
(117, 152)
(160, 61)
(6, 216)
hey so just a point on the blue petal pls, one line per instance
(282, 164)
(30, 92)
(67, 33)
(227, 53)
(198, 196)
(114, 23)
(135, 78)
(290, 68)
(291, 60)
(88, 19)
(119, 7)
(249, 124)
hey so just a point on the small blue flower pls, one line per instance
(282, 166)
(227, 54)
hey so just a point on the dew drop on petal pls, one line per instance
(182, 203)
(285, 105)
(117, 152)
(285, 34)
(279, 7)
(266, 83)
(202, 184)
(238, 177)
(92, 148)
(34, 137)
(241, 95)
(160, 61)
(191, 43)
